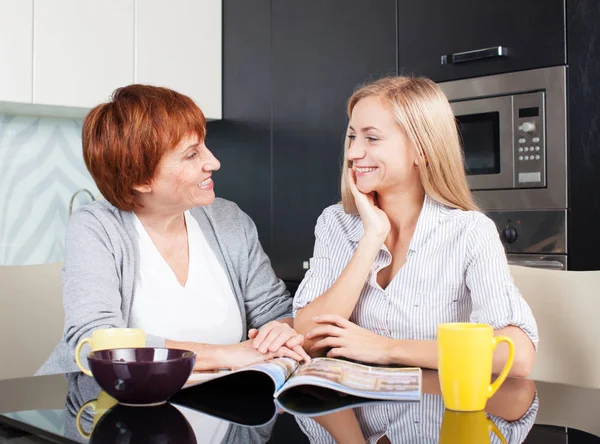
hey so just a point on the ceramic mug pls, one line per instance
(109, 338)
(465, 364)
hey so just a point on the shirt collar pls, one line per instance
(426, 223)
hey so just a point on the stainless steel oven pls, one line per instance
(513, 130)
(535, 238)
(514, 135)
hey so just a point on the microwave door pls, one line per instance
(486, 132)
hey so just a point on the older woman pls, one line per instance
(160, 253)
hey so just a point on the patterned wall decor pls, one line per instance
(41, 168)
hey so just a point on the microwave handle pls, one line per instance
(476, 54)
(552, 265)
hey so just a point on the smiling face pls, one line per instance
(379, 151)
(183, 178)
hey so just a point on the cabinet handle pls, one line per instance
(476, 54)
(553, 265)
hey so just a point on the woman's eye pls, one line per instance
(372, 139)
(192, 155)
(351, 136)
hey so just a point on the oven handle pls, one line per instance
(476, 54)
(553, 265)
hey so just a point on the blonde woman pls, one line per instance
(407, 249)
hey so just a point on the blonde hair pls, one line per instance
(423, 111)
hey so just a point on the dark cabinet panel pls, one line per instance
(242, 140)
(321, 51)
(584, 134)
(532, 31)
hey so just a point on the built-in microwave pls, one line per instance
(513, 132)
(503, 141)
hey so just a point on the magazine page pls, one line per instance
(385, 383)
(278, 369)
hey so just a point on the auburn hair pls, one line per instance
(125, 138)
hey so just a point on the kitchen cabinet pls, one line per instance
(178, 45)
(321, 52)
(242, 139)
(82, 50)
(63, 57)
(583, 143)
(533, 33)
(15, 50)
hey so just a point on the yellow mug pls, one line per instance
(465, 364)
(100, 406)
(107, 338)
(468, 428)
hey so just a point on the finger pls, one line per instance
(287, 353)
(358, 195)
(298, 349)
(333, 319)
(262, 334)
(266, 343)
(352, 181)
(252, 333)
(282, 339)
(338, 352)
(325, 330)
(326, 343)
(295, 340)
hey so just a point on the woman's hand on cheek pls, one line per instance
(346, 339)
(374, 219)
(275, 335)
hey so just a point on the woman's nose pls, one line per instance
(356, 151)
(212, 163)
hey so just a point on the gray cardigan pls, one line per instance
(100, 270)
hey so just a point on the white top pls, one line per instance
(456, 271)
(204, 310)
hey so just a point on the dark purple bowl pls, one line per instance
(141, 376)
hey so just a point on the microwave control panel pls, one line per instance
(530, 140)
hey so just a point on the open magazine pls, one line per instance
(357, 380)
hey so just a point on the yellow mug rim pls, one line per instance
(462, 326)
(117, 330)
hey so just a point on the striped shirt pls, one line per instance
(415, 422)
(455, 271)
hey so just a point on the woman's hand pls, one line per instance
(274, 335)
(374, 219)
(241, 355)
(348, 340)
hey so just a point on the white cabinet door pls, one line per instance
(16, 46)
(178, 45)
(83, 50)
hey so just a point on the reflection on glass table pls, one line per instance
(72, 408)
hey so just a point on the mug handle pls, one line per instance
(511, 357)
(492, 428)
(77, 353)
(82, 432)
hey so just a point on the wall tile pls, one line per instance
(41, 167)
